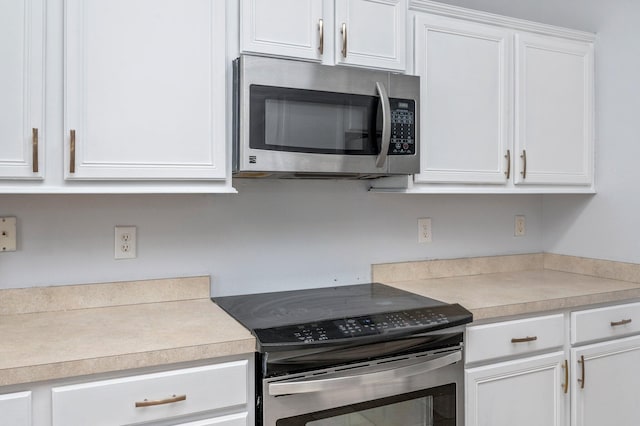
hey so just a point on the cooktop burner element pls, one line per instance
(335, 315)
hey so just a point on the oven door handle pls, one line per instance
(386, 125)
(323, 385)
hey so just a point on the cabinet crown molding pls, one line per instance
(437, 8)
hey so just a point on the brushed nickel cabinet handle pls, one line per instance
(524, 339)
(524, 164)
(34, 146)
(72, 152)
(581, 362)
(566, 376)
(170, 400)
(344, 40)
(622, 322)
(508, 157)
(321, 32)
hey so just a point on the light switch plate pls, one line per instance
(7, 234)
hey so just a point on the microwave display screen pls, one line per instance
(296, 120)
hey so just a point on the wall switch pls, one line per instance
(424, 230)
(7, 234)
(520, 228)
(125, 242)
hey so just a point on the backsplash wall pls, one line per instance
(273, 235)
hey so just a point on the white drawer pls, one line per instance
(15, 409)
(603, 323)
(509, 338)
(111, 402)
(239, 419)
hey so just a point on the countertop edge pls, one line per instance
(117, 363)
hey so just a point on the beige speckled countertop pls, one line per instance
(502, 286)
(111, 328)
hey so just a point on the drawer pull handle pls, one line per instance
(623, 322)
(566, 376)
(525, 339)
(172, 399)
(581, 362)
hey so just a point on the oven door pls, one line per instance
(418, 390)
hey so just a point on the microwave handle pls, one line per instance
(386, 125)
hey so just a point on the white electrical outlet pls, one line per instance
(520, 226)
(125, 242)
(424, 230)
(7, 234)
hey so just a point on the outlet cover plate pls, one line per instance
(8, 234)
(125, 242)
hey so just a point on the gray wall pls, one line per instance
(273, 235)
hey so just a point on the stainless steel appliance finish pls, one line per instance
(299, 119)
(361, 354)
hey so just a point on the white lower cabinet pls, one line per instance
(515, 373)
(606, 368)
(611, 380)
(152, 397)
(15, 409)
(588, 378)
(522, 392)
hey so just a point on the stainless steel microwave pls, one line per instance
(299, 119)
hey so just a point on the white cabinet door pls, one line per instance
(22, 89)
(145, 89)
(524, 392)
(465, 95)
(611, 380)
(371, 33)
(554, 111)
(15, 409)
(282, 28)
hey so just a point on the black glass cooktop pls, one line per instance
(339, 314)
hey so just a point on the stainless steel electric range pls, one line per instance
(365, 354)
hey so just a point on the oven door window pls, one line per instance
(296, 120)
(431, 407)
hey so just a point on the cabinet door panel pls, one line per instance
(375, 33)
(611, 381)
(465, 76)
(145, 89)
(526, 392)
(554, 110)
(15, 409)
(281, 27)
(21, 88)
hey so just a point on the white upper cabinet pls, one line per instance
(282, 27)
(368, 33)
(22, 24)
(371, 33)
(554, 110)
(144, 90)
(464, 69)
(507, 105)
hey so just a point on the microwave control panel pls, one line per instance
(403, 127)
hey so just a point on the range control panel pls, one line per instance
(421, 320)
(403, 127)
